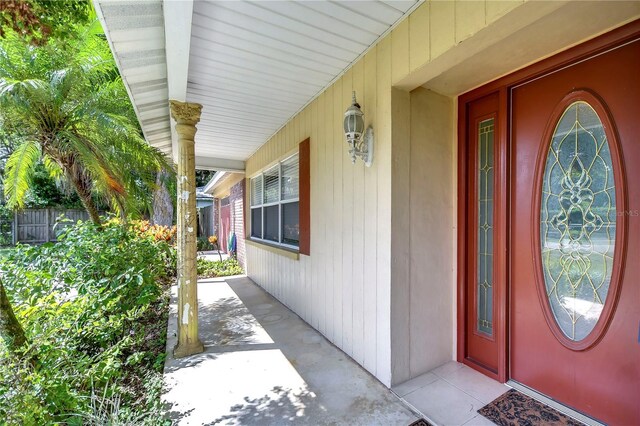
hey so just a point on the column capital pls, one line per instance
(185, 112)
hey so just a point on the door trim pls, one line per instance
(467, 237)
(598, 45)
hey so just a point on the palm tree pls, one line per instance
(67, 106)
(10, 329)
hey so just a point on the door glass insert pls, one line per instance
(578, 220)
(485, 171)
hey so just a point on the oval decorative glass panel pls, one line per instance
(578, 221)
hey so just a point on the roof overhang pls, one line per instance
(215, 180)
(252, 65)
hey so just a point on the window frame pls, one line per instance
(278, 203)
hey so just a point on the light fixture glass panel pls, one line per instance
(359, 124)
(349, 124)
(578, 221)
(290, 179)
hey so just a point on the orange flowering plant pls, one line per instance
(213, 239)
(157, 232)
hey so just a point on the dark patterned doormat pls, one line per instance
(420, 422)
(517, 409)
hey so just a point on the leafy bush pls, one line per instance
(225, 268)
(6, 225)
(94, 308)
(204, 244)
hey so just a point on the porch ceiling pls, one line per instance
(251, 64)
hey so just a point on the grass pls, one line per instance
(216, 268)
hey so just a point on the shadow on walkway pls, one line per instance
(263, 365)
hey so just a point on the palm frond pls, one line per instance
(93, 161)
(72, 101)
(16, 87)
(18, 172)
(53, 168)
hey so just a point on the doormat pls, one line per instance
(517, 409)
(420, 422)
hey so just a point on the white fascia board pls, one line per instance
(211, 185)
(219, 164)
(98, 8)
(178, 15)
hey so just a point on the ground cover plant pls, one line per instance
(214, 268)
(94, 310)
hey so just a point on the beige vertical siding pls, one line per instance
(345, 287)
(437, 26)
(342, 287)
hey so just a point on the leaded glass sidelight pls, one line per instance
(578, 220)
(484, 249)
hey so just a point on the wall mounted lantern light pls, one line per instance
(360, 142)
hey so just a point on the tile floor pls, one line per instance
(451, 395)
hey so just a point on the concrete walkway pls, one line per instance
(263, 365)
(213, 255)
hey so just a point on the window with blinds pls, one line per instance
(272, 185)
(290, 180)
(275, 196)
(256, 191)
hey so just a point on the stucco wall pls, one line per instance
(423, 232)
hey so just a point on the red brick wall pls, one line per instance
(216, 217)
(236, 200)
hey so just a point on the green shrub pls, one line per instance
(225, 268)
(203, 244)
(94, 308)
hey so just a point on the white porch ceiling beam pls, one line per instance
(178, 15)
(219, 164)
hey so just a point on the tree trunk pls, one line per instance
(10, 329)
(84, 193)
(162, 202)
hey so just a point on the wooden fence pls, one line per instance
(34, 226)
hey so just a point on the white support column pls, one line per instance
(187, 116)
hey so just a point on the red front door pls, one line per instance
(575, 235)
(484, 283)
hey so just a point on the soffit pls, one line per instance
(136, 34)
(252, 65)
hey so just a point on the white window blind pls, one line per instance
(256, 191)
(290, 180)
(275, 216)
(271, 185)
